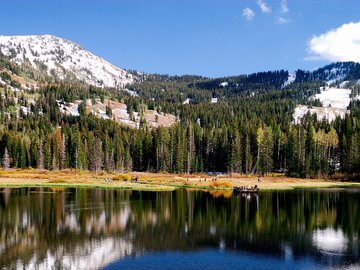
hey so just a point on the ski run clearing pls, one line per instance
(334, 100)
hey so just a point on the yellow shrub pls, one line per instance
(41, 177)
(57, 181)
(220, 184)
(122, 177)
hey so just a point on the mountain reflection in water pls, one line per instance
(42, 228)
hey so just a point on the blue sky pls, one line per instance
(204, 37)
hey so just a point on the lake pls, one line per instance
(54, 228)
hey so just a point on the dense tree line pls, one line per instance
(260, 80)
(236, 135)
(249, 130)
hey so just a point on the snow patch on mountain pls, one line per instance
(334, 97)
(224, 84)
(132, 93)
(334, 100)
(214, 100)
(187, 101)
(64, 59)
(70, 108)
(290, 80)
(329, 114)
(344, 84)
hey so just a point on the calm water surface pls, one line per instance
(42, 228)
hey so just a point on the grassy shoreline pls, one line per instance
(156, 181)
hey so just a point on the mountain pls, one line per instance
(63, 59)
(334, 73)
(172, 123)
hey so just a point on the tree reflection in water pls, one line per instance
(75, 228)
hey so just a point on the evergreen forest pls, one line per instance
(249, 130)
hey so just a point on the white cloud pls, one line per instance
(282, 20)
(263, 6)
(340, 44)
(249, 14)
(284, 7)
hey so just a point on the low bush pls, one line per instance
(41, 177)
(122, 177)
(220, 184)
(57, 181)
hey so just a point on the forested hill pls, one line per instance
(267, 80)
(339, 71)
(240, 124)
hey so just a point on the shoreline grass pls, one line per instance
(157, 181)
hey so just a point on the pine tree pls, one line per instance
(248, 155)
(190, 149)
(63, 153)
(310, 164)
(96, 154)
(59, 149)
(234, 158)
(179, 150)
(40, 164)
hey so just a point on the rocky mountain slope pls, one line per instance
(63, 59)
(30, 62)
